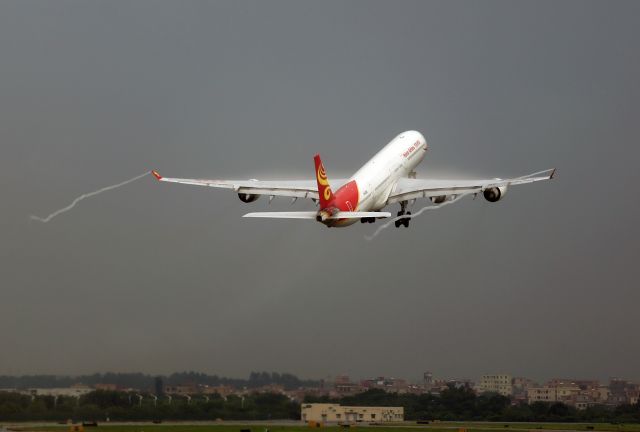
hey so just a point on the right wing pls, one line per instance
(409, 188)
(287, 188)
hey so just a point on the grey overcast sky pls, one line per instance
(160, 278)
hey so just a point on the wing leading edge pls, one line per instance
(287, 188)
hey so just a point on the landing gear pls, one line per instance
(403, 221)
(367, 220)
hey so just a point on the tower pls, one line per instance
(428, 380)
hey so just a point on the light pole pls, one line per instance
(170, 398)
(139, 399)
(155, 400)
(188, 399)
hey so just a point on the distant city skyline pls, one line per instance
(577, 393)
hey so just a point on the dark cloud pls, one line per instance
(158, 277)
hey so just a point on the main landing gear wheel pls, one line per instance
(367, 220)
(403, 221)
(406, 220)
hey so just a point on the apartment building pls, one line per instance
(502, 384)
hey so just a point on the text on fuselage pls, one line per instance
(411, 149)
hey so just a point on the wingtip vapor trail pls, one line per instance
(87, 195)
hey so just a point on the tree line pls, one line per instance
(452, 404)
(463, 404)
(103, 405)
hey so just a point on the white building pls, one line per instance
(335, 413)
(64, 391)
(502, 384)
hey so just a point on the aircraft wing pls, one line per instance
(408, 189)
(287, 188)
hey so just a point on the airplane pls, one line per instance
(387, 178)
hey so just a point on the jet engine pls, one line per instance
(247, 198)
(494, 194)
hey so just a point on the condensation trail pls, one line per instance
(413, 216)
(87, 195)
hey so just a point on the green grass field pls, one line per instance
(545, 426)
(256, 427)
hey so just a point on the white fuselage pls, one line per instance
(379, 175)
(369, 188)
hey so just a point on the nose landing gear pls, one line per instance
(403, 221)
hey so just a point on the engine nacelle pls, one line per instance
(494, 194)
(247, 198)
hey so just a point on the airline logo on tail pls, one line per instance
(324, 189)
(322, 181)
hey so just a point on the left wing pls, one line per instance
(408, 189)
(287, 188)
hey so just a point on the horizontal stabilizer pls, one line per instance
(358, 215)
(283, 215)
(313, 214)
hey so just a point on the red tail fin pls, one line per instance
(324, 190)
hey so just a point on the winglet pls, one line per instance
(156, 174)
(553, 173)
